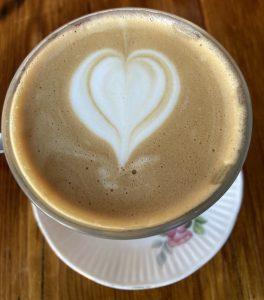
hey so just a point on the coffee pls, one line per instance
(127, 119)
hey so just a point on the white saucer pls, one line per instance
(150, 262)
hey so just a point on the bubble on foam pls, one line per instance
(124, 100)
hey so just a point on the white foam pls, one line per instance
(124, 100)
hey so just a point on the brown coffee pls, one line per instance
(127, 120)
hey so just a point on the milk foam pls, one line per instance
(122, 99)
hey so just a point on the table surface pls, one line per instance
(28, 267)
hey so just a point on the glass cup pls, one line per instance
(6, 146)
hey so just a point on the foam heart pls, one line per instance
(124, 100)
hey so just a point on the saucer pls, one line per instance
(149, 262)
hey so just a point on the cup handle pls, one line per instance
(1, 144)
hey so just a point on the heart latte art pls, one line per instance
(124, 100)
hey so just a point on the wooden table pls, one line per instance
(28, 267)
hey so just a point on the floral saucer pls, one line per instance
(149, 262)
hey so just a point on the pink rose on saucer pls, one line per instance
(178, 236)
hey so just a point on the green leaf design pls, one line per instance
(157, 244)
(161, 258)
(200, 220)
(198, 228)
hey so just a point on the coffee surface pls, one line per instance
(127, 120)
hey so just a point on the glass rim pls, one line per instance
(127, 233)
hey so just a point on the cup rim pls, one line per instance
(135, 232)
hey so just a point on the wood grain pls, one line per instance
(28, 268)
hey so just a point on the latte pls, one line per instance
(127, 119)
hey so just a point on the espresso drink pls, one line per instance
(127, 119)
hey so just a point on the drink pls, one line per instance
(127, 120)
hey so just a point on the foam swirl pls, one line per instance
(124, 100)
